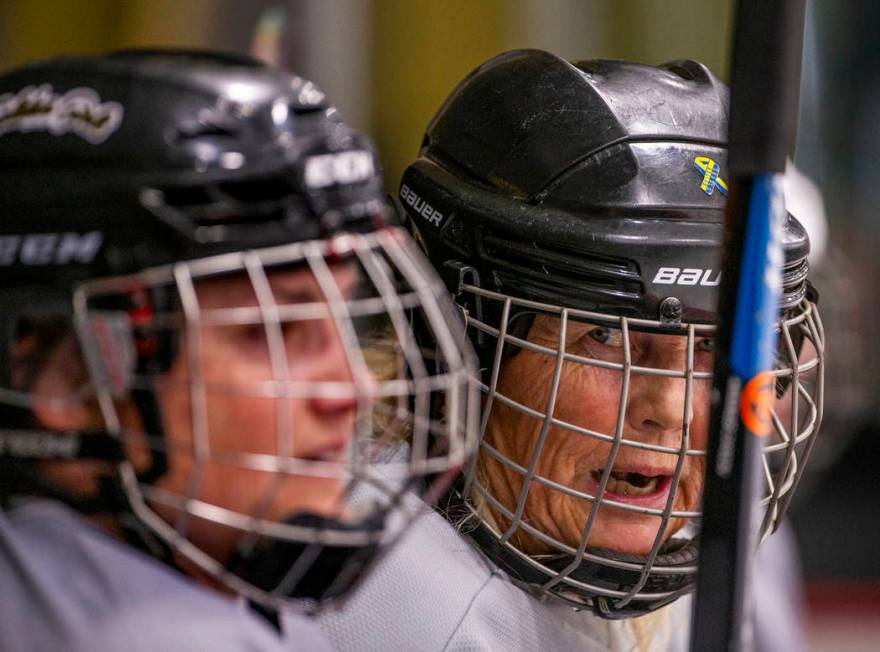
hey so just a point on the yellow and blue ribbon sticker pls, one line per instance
(710, 171)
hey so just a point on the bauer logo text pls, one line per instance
(420, 206)
(687, 276)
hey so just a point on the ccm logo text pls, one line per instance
(420, 206)
(50, 248)
(687, 276)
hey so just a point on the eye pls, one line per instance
(606, 336)
(250, 338)
(289, 328)
(307, 336)
(253, 333)
(705, 345)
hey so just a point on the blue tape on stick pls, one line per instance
(760, 281)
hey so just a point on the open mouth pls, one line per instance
(332, 451)
(633, 485)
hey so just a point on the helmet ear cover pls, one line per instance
(155, 354)
(797, 335)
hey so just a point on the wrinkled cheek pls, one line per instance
(514, 434)
(558, 513)
(588, 398)
(526, 378)
(699, 481)
(546, 510)
(696, 465)
(700, 422)
(543, 510)
(692, 487)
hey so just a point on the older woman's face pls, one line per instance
(589, 397)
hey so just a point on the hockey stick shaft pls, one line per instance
(764, 81)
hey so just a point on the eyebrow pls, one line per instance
(286, 296)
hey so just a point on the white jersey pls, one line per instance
(68, 586)
(780, 603)
(435, 592)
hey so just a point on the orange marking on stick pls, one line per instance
(756, 403)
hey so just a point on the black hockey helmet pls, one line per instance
(565, 183)
(131, 177)
(203, 153)
(592, 191)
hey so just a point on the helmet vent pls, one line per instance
(210, 123)
(212, 212)
(307, 109)
(689, 70)
(207, 130)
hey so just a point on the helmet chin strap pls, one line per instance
(309, 571)
(20, 479)
(616, 579)
(148, 408)
(21, 449)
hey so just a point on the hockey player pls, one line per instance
(194, 265)
(575, 212)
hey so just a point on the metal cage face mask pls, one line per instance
(295, 405)
(588, 480)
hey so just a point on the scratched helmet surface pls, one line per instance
(593, 193)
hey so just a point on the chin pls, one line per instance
(632, 534)
(319, 496)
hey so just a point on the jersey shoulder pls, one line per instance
(69, 586)
(435, 592)
(417, 595)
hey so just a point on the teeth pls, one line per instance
(630, 484)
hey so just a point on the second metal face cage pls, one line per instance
(396, 444)
(571, 569)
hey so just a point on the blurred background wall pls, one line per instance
(388, 64)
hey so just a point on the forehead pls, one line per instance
(290, 284)
(551, 326)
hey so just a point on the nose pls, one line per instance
(656, 404)
(339, 365)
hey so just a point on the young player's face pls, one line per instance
(236, 366)
(589, 397)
